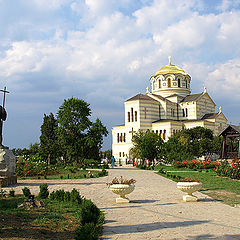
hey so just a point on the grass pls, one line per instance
(56, 221)
(171, 168)
(220, 188)
(67, 174)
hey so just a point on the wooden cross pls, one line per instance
(4, 95)
(145, 111)
(132, 132)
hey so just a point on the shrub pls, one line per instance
(67, 197)
(88, 231)
(75, 196)
(195, 164)
(89, 212)
(43, 191)
(52, 195)
(59, 195)
(12, 193)
(26, 192)
(231, 170)
(28, 167)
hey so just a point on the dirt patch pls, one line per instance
(23, 226)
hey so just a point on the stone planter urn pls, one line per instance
(122, 190)
(189, 188)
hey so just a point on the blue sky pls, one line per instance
(105, 51)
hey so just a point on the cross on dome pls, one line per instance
(169, 60)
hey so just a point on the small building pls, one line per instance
(166, 109)
(230, 133)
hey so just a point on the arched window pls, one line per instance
(186, 112)
(164, 134)
(129, 117)
(179, 82)
(153, 84)
(135, 116)
(124, 137)
(169, 82)
(118, 137)
(183, 113)
(159, 83)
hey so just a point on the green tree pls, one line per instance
(79, 137)
(73, 119)
(146, 145)
(94, 139)
(49, 146)
(189, 143)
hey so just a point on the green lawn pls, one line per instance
(220, 188)
(66, 174)
(56, 220)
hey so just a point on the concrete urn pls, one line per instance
(122, 190)
(189, 188)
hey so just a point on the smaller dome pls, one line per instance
(170, 69)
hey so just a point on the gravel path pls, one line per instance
(156, 211)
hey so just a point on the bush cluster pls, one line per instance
(62, 196)
(169, 175)
(28, 167)
(88, 215)
(195, 164)
(43, 194)
(231, 170)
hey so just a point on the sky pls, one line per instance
(105, 51)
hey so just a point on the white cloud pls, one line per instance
(224, 81)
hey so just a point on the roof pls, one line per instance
(236, 129)
(175, 95)
(167, 120)
(159, 97)
(141, 97)
(192, 97)
(210, 115)
(170, 68)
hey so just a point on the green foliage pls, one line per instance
(12, 193)
(31, 166)
(88, 231)
(75, 196)
(190, 143)
(89, 212)
(195, 164)
(79, 137)
(62, 196)
(49, 146)
(26, 191)
(43, 194)
(102, 173)
(146, 145)
(229, 169)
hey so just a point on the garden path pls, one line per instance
(156, 211)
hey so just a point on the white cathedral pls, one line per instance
(168, 108)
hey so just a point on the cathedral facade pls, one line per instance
(166, 109)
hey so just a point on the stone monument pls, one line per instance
(7, 158)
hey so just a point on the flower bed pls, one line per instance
(231, 170)
(196, 164)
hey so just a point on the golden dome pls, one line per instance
(170, 69)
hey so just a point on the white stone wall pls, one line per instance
(205, 105)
